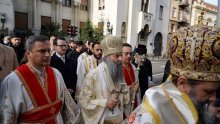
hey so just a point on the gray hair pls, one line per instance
(32, 39)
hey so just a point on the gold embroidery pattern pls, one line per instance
(56, 84)
(195, 52)
(174, 106)
(6, 115)
(44, 88)
(152, 111)
(27, 88)
(70, 112)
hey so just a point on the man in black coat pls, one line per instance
(64, 65)
(145, 72)
(166, 71)
(15, 43)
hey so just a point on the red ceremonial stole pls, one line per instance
(129, 78)
(44, 98)
(129, 74)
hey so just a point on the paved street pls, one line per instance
(158, 70)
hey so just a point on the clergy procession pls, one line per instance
(56, 81)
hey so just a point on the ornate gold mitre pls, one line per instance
(194, 51)
(111, 45)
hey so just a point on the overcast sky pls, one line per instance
(215, 2)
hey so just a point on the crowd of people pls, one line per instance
(52, 80)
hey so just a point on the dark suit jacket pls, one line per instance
(166, 71)
(144, 72)
(66, 70)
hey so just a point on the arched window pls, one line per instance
(101, 4)
(158, 44)
(123, 29)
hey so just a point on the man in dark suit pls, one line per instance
(63, 64)
(166, 71)
(145, 72)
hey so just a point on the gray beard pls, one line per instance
(115, 70)
(205, 117)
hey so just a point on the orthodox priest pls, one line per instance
(194, 54)
(104, 92)
(34, 92)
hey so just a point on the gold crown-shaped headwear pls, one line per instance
(111, 45)
(194, 51)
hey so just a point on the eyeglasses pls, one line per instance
(62, 45)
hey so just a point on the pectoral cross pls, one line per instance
(115, 93)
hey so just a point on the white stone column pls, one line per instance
(35, 28)
(73, 12)
(30, 13)
(53, 11)
(59, 19)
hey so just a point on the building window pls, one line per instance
(144, 5)
(44, 21)
(209, 21)
(161, 13)
(101, 26)
(172, 28)
(82, 24)
(66, 3)
(65, 23)
(21, 21)
(101, 4)
(174, 12)
(123, 29)
(83, 7)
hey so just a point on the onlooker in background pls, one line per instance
(1, 38)
(63, 64)
(6, 40)
(8, 61)
(145, 72)
(166, 71)
(52, 38)
(72, 46)
(15, 43)
(130, 75)
(73, 55)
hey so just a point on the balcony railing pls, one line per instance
(183, 3)
(183, 17)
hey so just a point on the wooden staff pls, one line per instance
(140, 59)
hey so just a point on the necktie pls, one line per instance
(63, 59)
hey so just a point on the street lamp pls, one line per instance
(109, 28)
(3, 19)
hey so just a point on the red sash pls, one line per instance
(129, 78)
(129, 75)
(45, 100)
